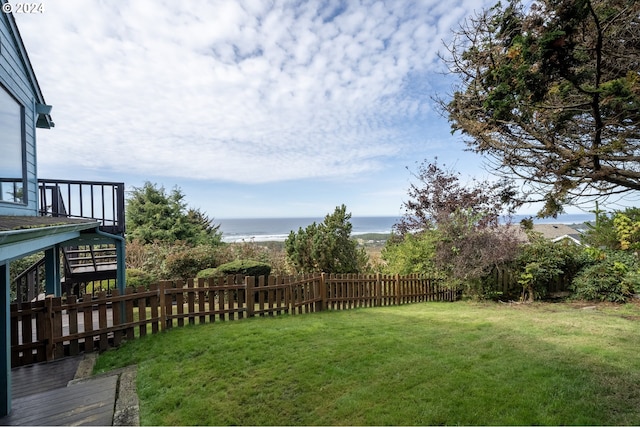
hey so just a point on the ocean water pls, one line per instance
(278, 229)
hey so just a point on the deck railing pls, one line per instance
(103, 201)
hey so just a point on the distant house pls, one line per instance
(61, 219)
(558, 232)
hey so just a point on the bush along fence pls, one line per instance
(54, 328)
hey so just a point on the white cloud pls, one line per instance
(242, 91)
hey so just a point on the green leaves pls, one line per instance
(153, 215)
(327, 247)
(550, 92)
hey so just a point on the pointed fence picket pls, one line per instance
(54, 328)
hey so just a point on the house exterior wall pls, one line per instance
(16, 80)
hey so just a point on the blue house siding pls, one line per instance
(17, 79)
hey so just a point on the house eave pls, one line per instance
(44, 119)
(16, 243)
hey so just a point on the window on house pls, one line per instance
(12, 158)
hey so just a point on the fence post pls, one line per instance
(398, 297)
(378, 290)
(163, 309)
(249, 284)
(323, 292)
(48, 327)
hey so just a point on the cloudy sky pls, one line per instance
(254, 108)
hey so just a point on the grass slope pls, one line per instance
(434, 363)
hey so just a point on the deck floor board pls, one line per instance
(42, 396)
(40, 377)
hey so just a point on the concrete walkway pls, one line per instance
(63, 392)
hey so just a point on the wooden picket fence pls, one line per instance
(55, 328)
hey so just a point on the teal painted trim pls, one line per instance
(122, 266)
(26, 247)
(12, 236)
(52, 271)
(5, 338)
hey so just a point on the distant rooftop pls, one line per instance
(554, 231)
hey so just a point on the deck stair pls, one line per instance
(84, 264)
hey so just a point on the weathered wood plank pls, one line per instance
(41, 377)
(89, 402)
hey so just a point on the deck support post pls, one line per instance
(52, 271)
(5, 332)
(121, 275)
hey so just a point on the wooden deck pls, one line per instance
(42, 395)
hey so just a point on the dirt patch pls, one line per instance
(601, 304)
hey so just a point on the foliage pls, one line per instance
(19, 265)
(136, 278)
(468, 252)
(184, 262)
(618, 230)
(326, 247)
(542, 263)
(627, 231)
(601, 234)
(208, 273)
(150, 258)
(161, 260)
(412, 254)
(551, 92)
(245, 267)
(440, 193)
(153, 215)
(271, 253)
(92, 288)
(469, 241)
(611, 276)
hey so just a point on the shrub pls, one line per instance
(542, 264)
(632, 280)
(17, 266)
(150, 257)
(271, 253)
(613, 276)
(137, 278)
(245, 267)
(208, 273)
(185, 262)
(327, 246)
(412, 254)
(92, 288)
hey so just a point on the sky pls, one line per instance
(252, 108)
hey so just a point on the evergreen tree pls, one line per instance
(326, 247)
(551, 93)
(153, 215)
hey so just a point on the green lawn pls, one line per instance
(430, 363)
